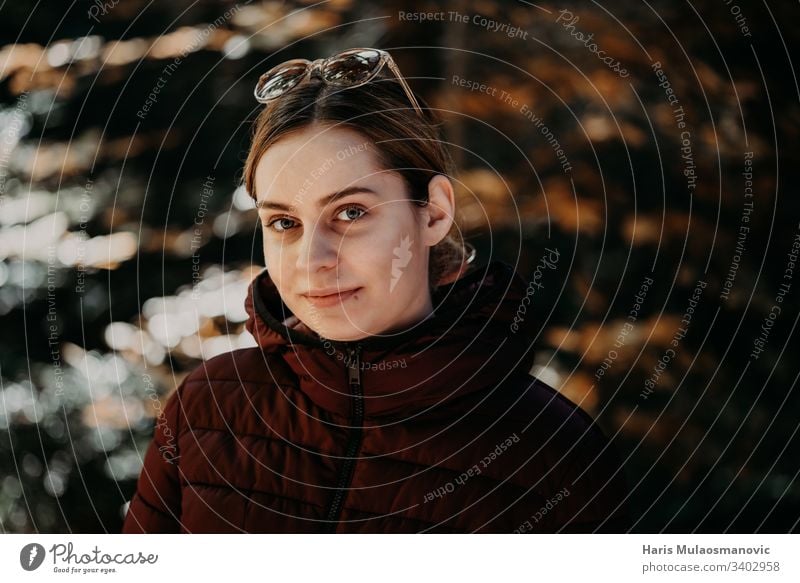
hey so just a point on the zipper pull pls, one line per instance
(356, 390)
(354, 366)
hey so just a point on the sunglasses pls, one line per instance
(350, 68)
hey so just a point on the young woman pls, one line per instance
(390, 389)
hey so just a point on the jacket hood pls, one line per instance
(477, 336)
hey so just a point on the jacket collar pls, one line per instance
(469, 343)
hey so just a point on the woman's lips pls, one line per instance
(332, 299)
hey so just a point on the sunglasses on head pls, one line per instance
(350, 68)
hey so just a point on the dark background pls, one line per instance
(103, 235)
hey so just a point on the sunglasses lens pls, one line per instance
(351, 68)
(277, 82)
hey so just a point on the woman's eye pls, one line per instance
(351, 213)
(280, 224)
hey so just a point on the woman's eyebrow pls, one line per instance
(322, 202)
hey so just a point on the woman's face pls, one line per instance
(344, 244)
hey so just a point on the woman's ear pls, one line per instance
(439, 211)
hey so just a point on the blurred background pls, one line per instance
(653, 145)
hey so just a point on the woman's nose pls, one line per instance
(318, 250)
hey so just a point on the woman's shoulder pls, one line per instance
(563, 423)
(551, 427)
(590, 469)
(562, 448)
(526, 399)
(238, 367)
(553, 407)
(228, 380)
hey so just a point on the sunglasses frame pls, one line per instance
(320, 64)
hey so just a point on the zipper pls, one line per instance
(353, 441)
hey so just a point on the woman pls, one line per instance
(390, 389)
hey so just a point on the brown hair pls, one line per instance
(404, 142)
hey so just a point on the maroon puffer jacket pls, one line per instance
(439, 429)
